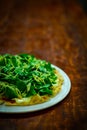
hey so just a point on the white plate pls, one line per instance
(59, 97)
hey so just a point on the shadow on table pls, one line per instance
(30, 114)
(27, 114)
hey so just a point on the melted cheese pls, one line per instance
(36, 99)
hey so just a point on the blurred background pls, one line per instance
(33, 26)
(56, 31)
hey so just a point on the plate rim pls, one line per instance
(37, 107)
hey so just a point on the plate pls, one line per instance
(59, 97)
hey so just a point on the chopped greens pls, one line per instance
(24, 75)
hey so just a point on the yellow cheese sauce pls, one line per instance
(36, 99)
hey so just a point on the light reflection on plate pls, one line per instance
(59, 97)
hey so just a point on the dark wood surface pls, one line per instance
(55, 31)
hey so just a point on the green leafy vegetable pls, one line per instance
(24, 75)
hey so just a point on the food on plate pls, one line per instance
(26, 80)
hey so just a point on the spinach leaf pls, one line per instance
(24, 75)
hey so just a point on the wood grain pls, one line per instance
(55, 31)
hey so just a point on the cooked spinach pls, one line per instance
(24, 75)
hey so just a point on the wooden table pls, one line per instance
(55, 31)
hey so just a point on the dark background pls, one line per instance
(56, 31)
